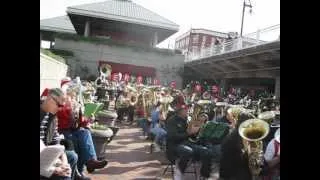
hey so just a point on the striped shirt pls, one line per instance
(48, 128)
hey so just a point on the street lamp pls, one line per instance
(243, 10)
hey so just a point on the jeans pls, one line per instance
(190, 151)
(160, 135)
(72, 160)
(83, 144)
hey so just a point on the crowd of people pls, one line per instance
(197, 123)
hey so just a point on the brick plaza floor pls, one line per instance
(130, 159)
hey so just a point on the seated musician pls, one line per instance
(158, 128)
(52, 101)
(272, 157)
(212, 134)
(233, 162)
(142, 120)
(121, 105)
(226, 118)
(180, 149)
(69, 125)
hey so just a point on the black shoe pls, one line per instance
(95, 164)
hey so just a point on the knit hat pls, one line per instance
(57, 92)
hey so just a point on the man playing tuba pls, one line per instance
(181, 150)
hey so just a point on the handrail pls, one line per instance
(249, 40)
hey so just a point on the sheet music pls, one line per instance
(49, 156)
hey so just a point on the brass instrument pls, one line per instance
(104, 71)
(253, 131)
(195, 122)
(165, 101)
(267, 116)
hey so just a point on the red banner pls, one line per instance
(126, 77)
(156, 82)
(114, 76)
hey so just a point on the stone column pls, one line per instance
(87, 29)
(277, 87)
(155, 39)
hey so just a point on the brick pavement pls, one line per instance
(130, 159)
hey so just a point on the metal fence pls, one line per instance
(262, 36)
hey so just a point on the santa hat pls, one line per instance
(64, 81)
(44, 94)
(65, 84)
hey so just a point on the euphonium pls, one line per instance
(253, 131)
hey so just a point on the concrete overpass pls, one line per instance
(255, 60)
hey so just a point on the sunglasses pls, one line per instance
(57, 102)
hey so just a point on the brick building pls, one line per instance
(196, 39)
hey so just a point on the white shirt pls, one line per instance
(269, 154)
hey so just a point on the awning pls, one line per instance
(131, 69)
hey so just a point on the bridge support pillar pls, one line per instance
(277, 87)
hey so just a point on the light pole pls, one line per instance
(243, 10)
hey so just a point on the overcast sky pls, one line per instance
(218, 15)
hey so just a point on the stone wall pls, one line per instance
(87, 55)
(51, 72)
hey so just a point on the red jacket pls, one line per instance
(64, 117)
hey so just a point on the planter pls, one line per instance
(100, 140)
(107, 117)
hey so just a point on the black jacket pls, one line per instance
(176, 134)
(233, 163)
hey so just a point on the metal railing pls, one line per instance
(262, 36)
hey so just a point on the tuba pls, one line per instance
(252, 132)
(104, 71)
(195, 121)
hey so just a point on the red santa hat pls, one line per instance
(44, 94)
(65, 84)
(64, 81)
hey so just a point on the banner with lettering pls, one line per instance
(126, 77)
(156, 82)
